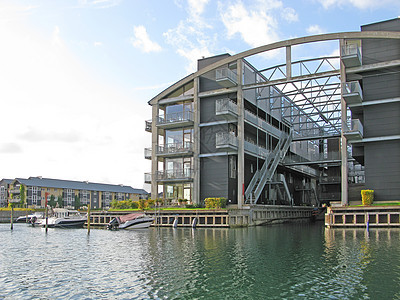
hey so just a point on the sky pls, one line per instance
(76, 75)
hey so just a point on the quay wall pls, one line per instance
(363, 216)
(5, 215)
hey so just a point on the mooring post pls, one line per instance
(11, 219)
(88, 219)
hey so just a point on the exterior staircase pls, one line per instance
(261, 177)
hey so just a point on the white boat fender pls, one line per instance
(175, 224)
(194, 223)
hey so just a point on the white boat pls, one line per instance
(64, 218)
(131, 221)
(30, 218)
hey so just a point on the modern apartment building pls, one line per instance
(98, 195)
(303, 132)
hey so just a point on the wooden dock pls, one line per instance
(363, 216)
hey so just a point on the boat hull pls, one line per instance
(64, 223)
(136, 224)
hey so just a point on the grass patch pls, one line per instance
(380, 204)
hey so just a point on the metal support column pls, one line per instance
(288, 62)
(240, 134)
(344, 167)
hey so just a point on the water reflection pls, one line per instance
(274, 262)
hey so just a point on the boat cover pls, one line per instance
(129, 217)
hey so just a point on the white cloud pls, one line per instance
(289, 14)
(100, 3)
(87, 128)
(142, 40)
(10, 148)
(315, 29)
(255, 25)
(97, 44)
(196, 7)
(191, 38)
(361, 4)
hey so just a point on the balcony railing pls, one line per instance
(147, 177)
(148, 126)
(178, 118)
(226, 77)
(226, 107)
(226, 140)
(175, 148)
(352, 92)
(175, 175)
(330, 179)
(15, 191)
(355, 131)
(351, 55)
(255, 150)
(147, 153)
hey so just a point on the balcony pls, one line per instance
(225, 77)
(351, 55)
(355, 132)
(15, 191)
(148, 126)
(147, 153)
(226, 141)
(175, 149)
(173, 120)
(258, 122)
(352, 93)
(227, 108)
(147, 177)
(330, 180)
(177, 175)
(251, 148)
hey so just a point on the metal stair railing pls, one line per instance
(269, 168)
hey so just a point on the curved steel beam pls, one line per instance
(291, 42)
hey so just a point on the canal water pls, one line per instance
(288, 261)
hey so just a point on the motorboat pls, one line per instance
(64, 218)
(29, 218)
(130, 221)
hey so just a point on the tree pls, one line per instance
(77, 202)
(60, 201)
(52, 201)
(22, 194)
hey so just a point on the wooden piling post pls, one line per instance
(11, 219)
(88, 219)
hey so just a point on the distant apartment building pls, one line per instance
(98, 195)
(4, 194)
(304, 132)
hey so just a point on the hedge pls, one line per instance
(215, 202)
(367, 197)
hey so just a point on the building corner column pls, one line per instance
(240, 134)
(196, 143)
(154, 145)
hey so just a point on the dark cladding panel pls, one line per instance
(377, 50)
(382, 167)
(381, 86)
(382, 120)
(204, 62)
(214, 177)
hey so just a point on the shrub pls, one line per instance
(367, 197)
(150, 203)
(215, 202)
(142, 204)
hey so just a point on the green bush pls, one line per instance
(124, 204)
(219, 202)
(367, 197)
